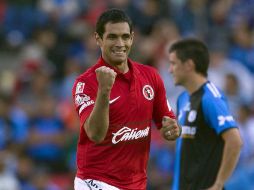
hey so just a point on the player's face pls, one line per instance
(178, 69)
(116, 43)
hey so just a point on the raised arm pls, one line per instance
(96, 125)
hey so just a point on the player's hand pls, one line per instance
(170, 129)
(105, 77)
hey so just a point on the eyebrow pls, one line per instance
(171, 62)
(114, 34)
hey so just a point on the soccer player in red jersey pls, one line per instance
(117, 99)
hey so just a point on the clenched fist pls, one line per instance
(105, 77)
(170, 129)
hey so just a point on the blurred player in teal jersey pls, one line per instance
(209, 147)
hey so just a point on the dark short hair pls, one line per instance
(111, 16)
(193, 49)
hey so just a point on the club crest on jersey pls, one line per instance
(192, 115)
(148, 92)
(80, 87)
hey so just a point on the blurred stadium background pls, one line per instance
(45, 44)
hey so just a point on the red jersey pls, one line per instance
(136, 98)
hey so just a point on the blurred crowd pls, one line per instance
(46, 44)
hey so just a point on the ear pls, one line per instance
(132, 37)
(97, 38)
(190, 65)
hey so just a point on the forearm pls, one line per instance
(230, 158)
(97, 123)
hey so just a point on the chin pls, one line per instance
(177, 83)
(119, 61)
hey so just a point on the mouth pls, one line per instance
(119, 52)
(174, 78)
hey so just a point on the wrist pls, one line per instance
(104, 91)
(103, 96)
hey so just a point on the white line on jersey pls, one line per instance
(112, 101)
(214, 90)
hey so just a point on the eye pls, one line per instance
(112, 36)
(126, 36)
(172, 63)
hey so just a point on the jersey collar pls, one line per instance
(131, 64)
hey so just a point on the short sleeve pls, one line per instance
(161, 104)
(217, 115)
(84, 98)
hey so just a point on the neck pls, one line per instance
(123, 67)
(195, 82)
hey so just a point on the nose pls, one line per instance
(170, 69)
(119, 42)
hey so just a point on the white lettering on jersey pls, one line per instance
(85, 104)
(80, 87)
(81, 99)
(188, 132)
(126, 134)
(223, 119)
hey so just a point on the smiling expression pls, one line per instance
(115, 43)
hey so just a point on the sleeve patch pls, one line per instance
(80, 87)
(223, 119)
(81, 99)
